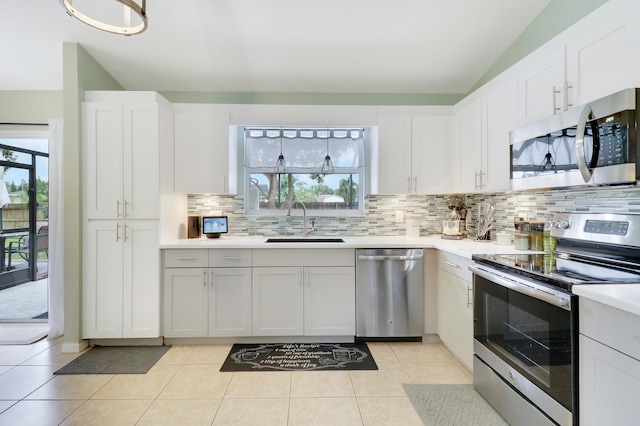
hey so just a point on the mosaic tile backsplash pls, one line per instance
(380, 217)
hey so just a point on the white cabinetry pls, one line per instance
(455, 306)
(121, 275)
(413, 151)
(277, 301)
(329, 301)
(609, 367)
(290, 299)
(592, 59)
(592, 73)
(120, 272)
(203, 301)
(481, 140)
(542, 86)
(205, 153)
(121, 160)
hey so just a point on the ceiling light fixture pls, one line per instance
(127, 27)
(281, 164)
(327, 166)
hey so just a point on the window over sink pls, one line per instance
(321, 167)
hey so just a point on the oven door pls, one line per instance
(523, 330)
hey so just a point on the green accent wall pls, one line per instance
(80, 72)
(282, 98)
(554, 19)
(29, 107)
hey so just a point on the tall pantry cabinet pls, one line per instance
(123, 139)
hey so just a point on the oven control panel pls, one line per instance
(606, 227)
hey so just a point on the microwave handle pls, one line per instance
(586, 170)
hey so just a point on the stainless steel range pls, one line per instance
(526, 317)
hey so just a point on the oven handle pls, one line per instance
(556, 299)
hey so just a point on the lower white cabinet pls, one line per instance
(329, 301)
(245, 292)
(207, 302)
(455, 306)
(309, 301)
(277, 301)
(609, 365)
(120, 280)
(609, 385)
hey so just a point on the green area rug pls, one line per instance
(115, 360)
(459, 405)
(299, 356)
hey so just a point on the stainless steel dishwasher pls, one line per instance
(389, 293)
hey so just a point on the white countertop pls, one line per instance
(625, 297)
(464, 248)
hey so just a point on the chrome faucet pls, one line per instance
(304, 216)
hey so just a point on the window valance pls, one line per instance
(304, 149)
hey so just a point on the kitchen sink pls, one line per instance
(304, 240)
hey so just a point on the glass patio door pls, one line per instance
(23, 229)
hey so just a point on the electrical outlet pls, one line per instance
(399, 216)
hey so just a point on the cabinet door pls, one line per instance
(141, 279)
(329, 301)
(430, 153)
(541, 87)
(277, 301)
(609, 385)
(201, 153)
(103, 167)
(141, 181)
(102, 274)
(455, 316)
(499, 118)
(598, 63)
(467, 151)
(185, 302)
(395, 174)
(230, 302)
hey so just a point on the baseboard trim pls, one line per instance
(72, 348)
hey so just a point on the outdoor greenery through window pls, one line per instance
(299, 176)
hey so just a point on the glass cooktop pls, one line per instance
(557, 270)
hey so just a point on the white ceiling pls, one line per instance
(334, 46)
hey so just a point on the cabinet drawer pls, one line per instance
(233, 258)
(186, 258)
(615, 328)
(456, 265)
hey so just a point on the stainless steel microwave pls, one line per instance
(594, 144)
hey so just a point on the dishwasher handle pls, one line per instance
(390, 257)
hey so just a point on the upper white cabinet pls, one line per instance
(594, 58)
(480, 151)
(542, 87)
(598, 63)
(121, 166)
(205, 153)
(413, 151)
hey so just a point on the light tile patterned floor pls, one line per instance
(186, 388)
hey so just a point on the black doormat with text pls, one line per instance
(299, 356)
